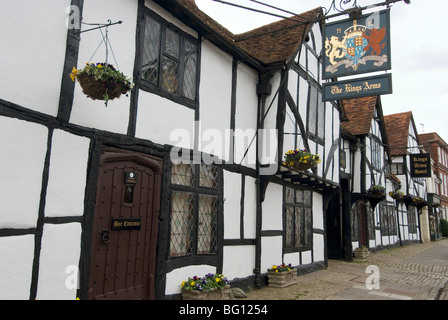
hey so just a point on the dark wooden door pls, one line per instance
(334, 229)
(362, 224)
(125, 227)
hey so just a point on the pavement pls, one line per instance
(411, 272)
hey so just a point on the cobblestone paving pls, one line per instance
(403, 275)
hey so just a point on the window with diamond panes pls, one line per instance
(182, 224)
(207, 224)
(182, 174)
(316, 114)
(298, 218)
(169, 61)
(194, 215)
(151, 50)
(208, 176)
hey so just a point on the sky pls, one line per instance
(419, 48)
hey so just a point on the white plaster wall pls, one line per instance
(215, 100)
(271, 252)
(292, 258)
(67, 175)
(33, 37)
(318, 216)
(238, 261)
(272, 216)
(303, 98)
(232, 207)
(87, 112)
(250, 208)
(318, 247)
(175, 277)
(313, 64)
(317, 37)
(155, 121)
(307, 257)
(23, 148)
(246, 116)
(16, 264)
(61, 248)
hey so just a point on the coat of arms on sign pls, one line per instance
(350, 45)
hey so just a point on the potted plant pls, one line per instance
(210, 287)
(101, 81)
(397, 195)
(281, 276)
(301, 159)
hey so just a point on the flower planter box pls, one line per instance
(213, 294)
(361, 253)
(282, 279)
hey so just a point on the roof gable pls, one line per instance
(397, 128)
(359, 113)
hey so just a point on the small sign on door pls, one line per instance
(130, 177)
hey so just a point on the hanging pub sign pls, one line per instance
(356, 46)
(420, 165)
(356, 88)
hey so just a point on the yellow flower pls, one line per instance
(192, 283)
(74, 74)
(217, 279)
(99, 65)
(183, 283)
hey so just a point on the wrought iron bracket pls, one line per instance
(99, 25)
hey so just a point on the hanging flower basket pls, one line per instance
(397, 195)
(377, 191)
(281, 276)
(101, 81)
(301, 159)
(419, 202)
(407, 199)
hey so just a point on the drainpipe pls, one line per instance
(263, 90)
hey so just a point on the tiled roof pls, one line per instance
(278, 41)
(397, 128)
(359, 112)
(273, 43)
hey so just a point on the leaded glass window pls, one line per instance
(194, 209)
(182, 217)
(151, 49)
(316, 114)
(170, 60)
(298, 218)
